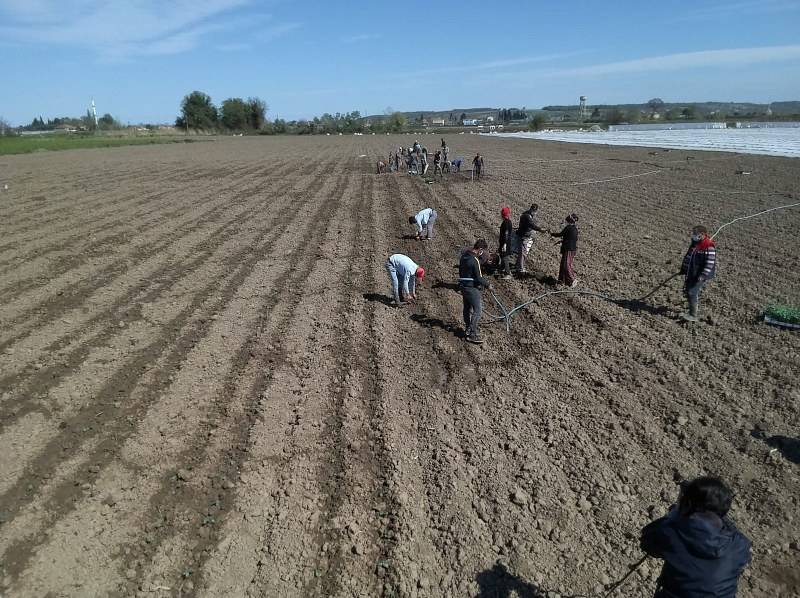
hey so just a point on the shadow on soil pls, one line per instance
(452, 286)
(636, 306)
(497, 582)
(788, 447)
(429, 322)
(378, 298)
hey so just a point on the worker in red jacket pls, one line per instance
(699, 266)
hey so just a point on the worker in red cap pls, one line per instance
(402, 268)
(504, 245)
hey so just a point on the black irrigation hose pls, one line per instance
(507, 313)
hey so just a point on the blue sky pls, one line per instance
(139, 58)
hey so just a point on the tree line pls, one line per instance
(82, 123)
(199, 113)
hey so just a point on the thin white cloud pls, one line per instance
(119, 30)
(361, 37)
(742, 8)
(483, 66)
(685, 61)
(691, 60)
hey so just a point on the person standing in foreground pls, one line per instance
(703, 552)
(477, 166)
(525, 235)
(569, 247)
(402, 269)
(470, 281)
(699, 265)
(424, 221)
(504, 242)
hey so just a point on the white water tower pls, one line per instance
(94, 113)
(582, 110)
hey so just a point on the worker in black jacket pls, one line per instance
(504, 245)
(569, 247)
(525, 235)
(470, 281)
(703, 552)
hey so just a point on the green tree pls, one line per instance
(396, 122)
(689, 112)
(257, 113)
(198, 111)
(234, 114)
(615, 116)
(107, 122)
(537, 123)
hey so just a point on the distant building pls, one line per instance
(470, 122)
(490, 119)
(437, 122)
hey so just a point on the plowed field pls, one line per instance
(203, 390)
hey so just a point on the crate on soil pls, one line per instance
(782, 315)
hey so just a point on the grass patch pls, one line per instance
(40, 143)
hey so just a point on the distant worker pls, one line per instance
(525, 236)
(470, 282)
(703, 552)
(477, 166)
(381, 167)
(437, 164)
(505, 242)
(569, 247)
(424, 222)
(404, 273)
(444, 143)
(457, 164)
(699, 266)
(424, 156)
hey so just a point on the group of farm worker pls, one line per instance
(415, 161)
(405, 274)
(698, 265)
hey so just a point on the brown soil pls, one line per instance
(203, 390)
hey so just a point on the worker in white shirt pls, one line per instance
(424, 222)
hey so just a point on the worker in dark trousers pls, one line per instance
(505, 242)
(699, 265)
(703, 552)
(471, 281)
(569, 247)
(477, 166)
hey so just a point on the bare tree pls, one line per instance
(655, 105)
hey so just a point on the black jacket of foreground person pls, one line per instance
(703, 553)
(469, 272)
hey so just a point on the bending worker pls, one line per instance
(402, 268)
(470, 281)
(424, 221)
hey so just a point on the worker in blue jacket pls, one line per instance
(703, 552)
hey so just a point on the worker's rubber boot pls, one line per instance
(691, 315)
